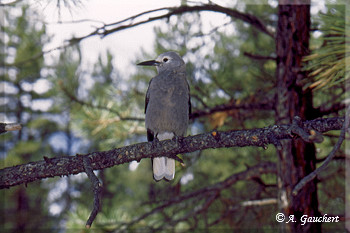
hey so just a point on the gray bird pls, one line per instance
(167, 107)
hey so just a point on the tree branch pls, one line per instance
(84, 103)
(226, 107)
(12, 4)
(323, 111)
(67, 165)
(267, 201)
(118, 26)
(5, 127)
(331, 155)
(96, 188)
(259, 57)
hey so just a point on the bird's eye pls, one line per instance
(165, 59)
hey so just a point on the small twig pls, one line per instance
(97, 190)
(84, 103)
(5, 127)
(231, 209)
(259, 57)
(12, 4)
(331, 155)
(78, 21)
(212, 31)
(267, 201)
(298, 129)
(244, 105)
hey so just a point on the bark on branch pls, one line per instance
(96, 185)
(67, 165)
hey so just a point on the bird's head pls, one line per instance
(166, 61)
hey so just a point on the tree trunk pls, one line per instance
(297, 158)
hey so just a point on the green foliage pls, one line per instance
(326, 64)
(25, 208)
(97, 109)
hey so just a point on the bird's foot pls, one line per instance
(178, 140)
(155, 143)
(179, 143)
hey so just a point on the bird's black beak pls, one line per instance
(149, 63)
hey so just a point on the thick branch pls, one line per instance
(67, 165)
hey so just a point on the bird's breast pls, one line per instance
(168, 107)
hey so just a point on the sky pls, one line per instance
(125, 45)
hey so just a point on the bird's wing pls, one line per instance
(147, 95)
(150, 134)
(189, 100)
(164, 75)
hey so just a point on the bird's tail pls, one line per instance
(164, 167)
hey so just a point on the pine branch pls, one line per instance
(5, 127)
(90, 105)
(259, 57)
(67, 165)
(244, 105)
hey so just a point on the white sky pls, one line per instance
(125, 45)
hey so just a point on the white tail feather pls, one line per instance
(159, 168)
(164, 167)
(170, 169)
